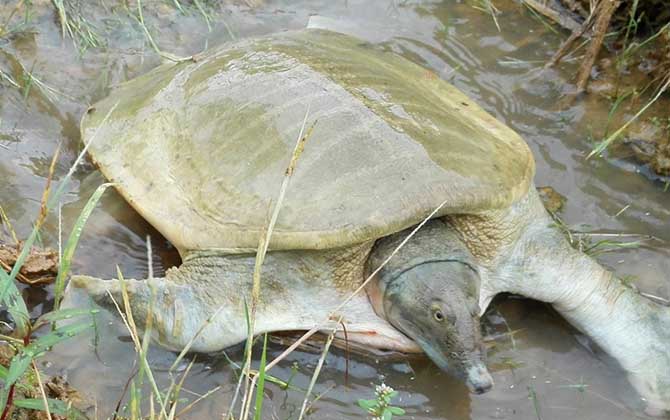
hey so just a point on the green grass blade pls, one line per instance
(532, 395)
(177, 4)
(11, 298)
(610, 115)
(73, 240)
(142, 354)
(204, 14)
(607, 245)
(4, 396)
(135, 399)
(22, 361)
(10, 294)
(62, 15)
(127, 316)
(55, 197)
(317, 370)
(41, 345)
(261, 381)
(603, 145)
(57, 407)
(96, 330)
(249, 345)
(61, 314)
(244, 369)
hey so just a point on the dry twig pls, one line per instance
(602, 23)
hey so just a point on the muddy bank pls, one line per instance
(623, 50)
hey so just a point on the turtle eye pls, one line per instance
(438, 315)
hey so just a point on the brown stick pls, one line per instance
(9, 403)
(561, 19)
(606, 10)
(563, 50)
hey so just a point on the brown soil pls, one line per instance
(647, 138)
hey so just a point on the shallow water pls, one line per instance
(538, 373)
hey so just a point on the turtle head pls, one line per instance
(429, 291)
(435, 304)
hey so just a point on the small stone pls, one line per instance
(552, 200)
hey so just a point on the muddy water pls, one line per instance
(547, 370)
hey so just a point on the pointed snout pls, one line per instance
(478, 379)
(468, 367)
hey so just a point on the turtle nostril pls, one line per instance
(479, 380)
(480, 389)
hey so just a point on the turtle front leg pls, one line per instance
(532, 258)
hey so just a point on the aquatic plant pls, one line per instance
(380, 407)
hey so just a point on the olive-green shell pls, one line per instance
(200, 148)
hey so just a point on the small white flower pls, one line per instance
(383, 389)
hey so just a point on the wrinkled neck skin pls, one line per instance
(435, 243)
(524, 253)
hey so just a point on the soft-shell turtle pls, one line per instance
(200, 149)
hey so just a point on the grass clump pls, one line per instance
(634, 74)
(74, 24)
(18, 19)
